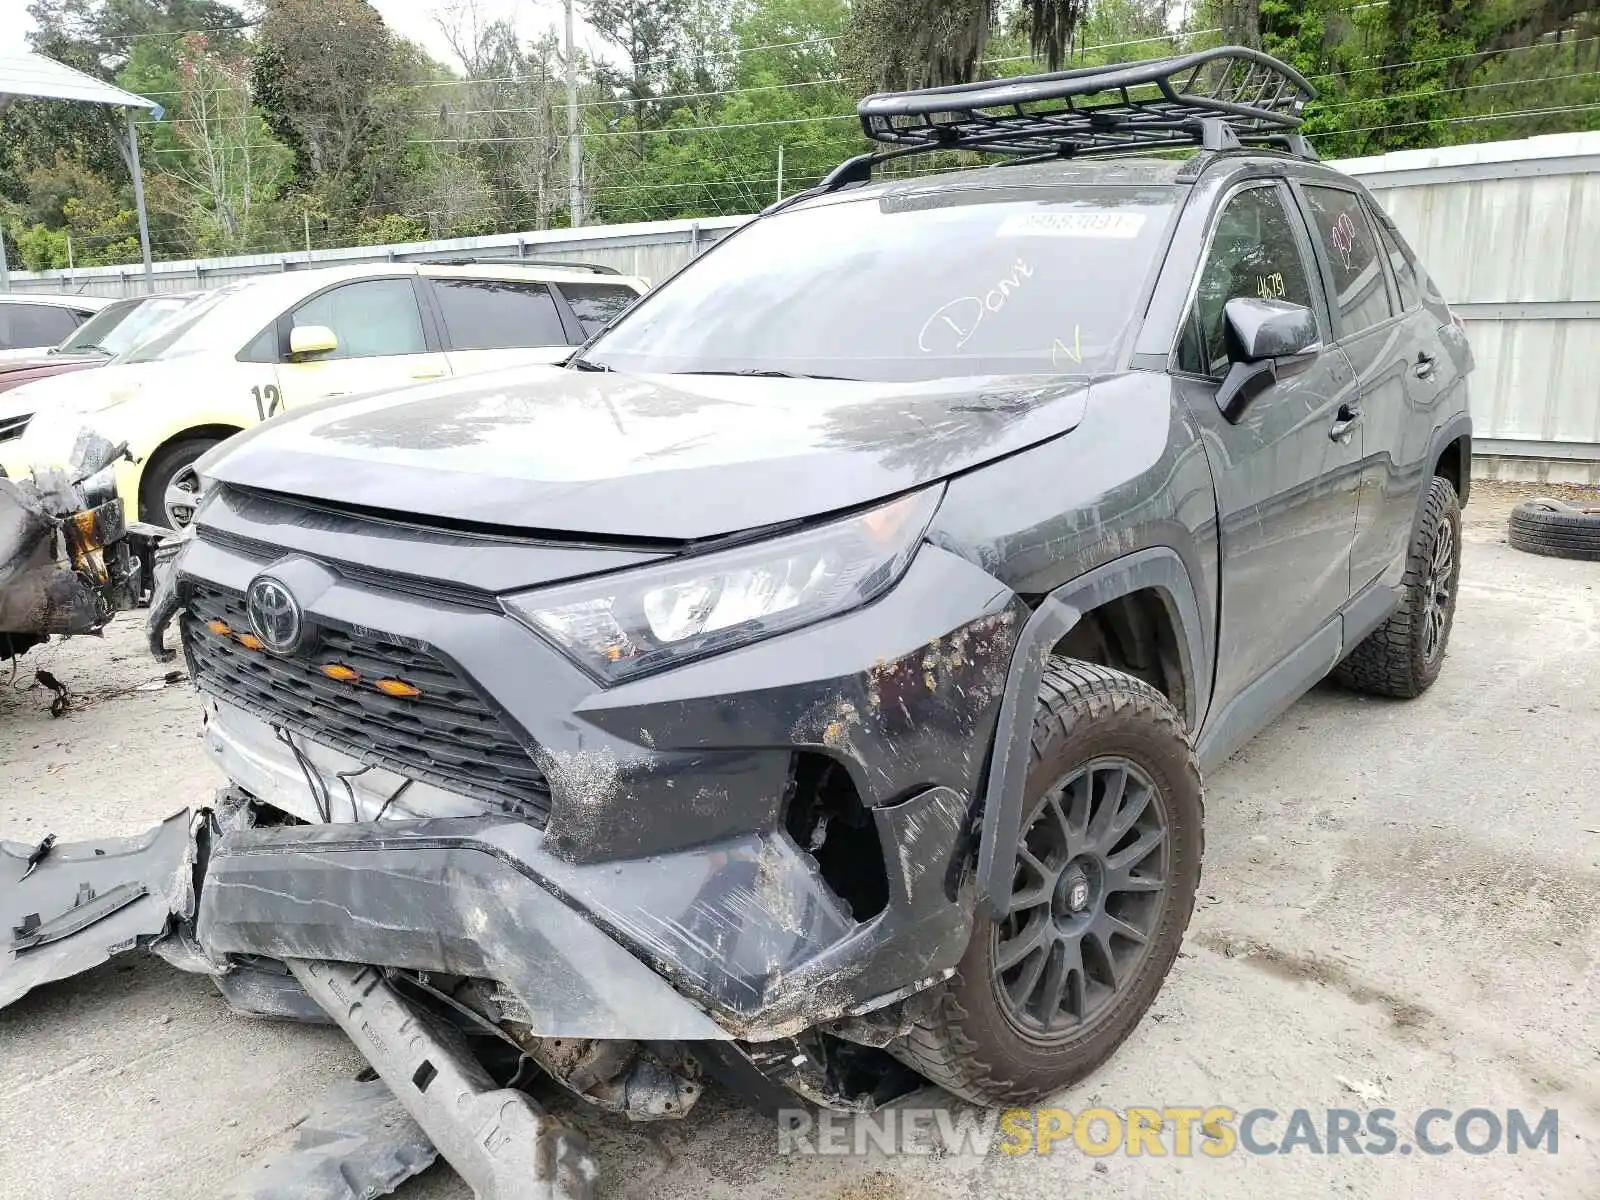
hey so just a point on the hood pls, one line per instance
(90, 391)
(18, 371)
(674, 458)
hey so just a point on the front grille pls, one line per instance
(439, 590)
(448, 736)
(12, 427)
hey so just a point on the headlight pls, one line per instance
(626, 624)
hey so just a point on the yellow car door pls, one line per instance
(363, 336)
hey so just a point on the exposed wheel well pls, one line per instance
(219, 432)
(1455, 464)
(1135, 634)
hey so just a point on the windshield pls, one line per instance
(907, 287)
(121, 325)
(190, 331)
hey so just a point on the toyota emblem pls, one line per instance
(274, 615)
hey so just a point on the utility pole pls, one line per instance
(780, 170)
(574, 140)
(307, 216)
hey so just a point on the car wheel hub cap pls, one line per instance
(1090, 883)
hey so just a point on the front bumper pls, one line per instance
(667, 892)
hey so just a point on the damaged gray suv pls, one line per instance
(808, 685)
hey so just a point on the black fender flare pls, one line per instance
(1159, 568)
(1453, 430)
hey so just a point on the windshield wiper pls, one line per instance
(769, 373)
(583, 364)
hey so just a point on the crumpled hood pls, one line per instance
(676, 457)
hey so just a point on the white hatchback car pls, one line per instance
(238, 355)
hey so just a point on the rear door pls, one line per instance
(488, 324)
(383, 343)
(1285, 473)
(1372, 332)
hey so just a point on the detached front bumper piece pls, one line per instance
(67, 908)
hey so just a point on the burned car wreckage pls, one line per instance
(806, 686)
(67, 562)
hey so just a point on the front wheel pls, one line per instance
(170, 489)
(1103, 886)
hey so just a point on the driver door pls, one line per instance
(383, 342)
(1287, 471)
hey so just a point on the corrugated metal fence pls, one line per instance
(1509, 230)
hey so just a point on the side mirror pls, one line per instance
(1261, 329)
(1266, 339)
(305, 340)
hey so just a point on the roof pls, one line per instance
(1111, 172)
(81, 303)
(35, 75)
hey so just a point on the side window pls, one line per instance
(1360, 293)
(264, 349)
(1253, 253)
(597, 304)
(372, 319)
(495, 314)
(1405, 273)
(35, 324)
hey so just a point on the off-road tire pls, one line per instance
(159, 472)
(1392, 660)
(965, 1043)
(1556, 528)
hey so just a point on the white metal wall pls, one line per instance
(1510, 231)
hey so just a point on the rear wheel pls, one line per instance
(170, 488)
(1102, 889)
(1403, 656)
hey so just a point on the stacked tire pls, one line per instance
(1557, 528)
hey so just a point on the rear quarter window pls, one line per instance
(596, 305)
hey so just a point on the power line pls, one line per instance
(1418, 62)
(1384, 98)
(1505, 116)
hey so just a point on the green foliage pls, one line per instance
(295, 122)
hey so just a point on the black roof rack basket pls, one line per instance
(1221, 99)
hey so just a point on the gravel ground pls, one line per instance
(1399, 909)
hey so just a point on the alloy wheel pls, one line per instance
(1093, 869)
(1436, 591)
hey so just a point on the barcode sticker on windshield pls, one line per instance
(1073, 224)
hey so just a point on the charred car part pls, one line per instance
(67, 560)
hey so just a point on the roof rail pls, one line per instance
(1229, 98)
(508, 260)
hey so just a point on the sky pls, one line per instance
(417, 20)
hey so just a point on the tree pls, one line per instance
(334, 86)
(221, 170)
(896, 44)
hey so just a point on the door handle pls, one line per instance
(1424, 367)
(1342, 429)
(421, 375)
